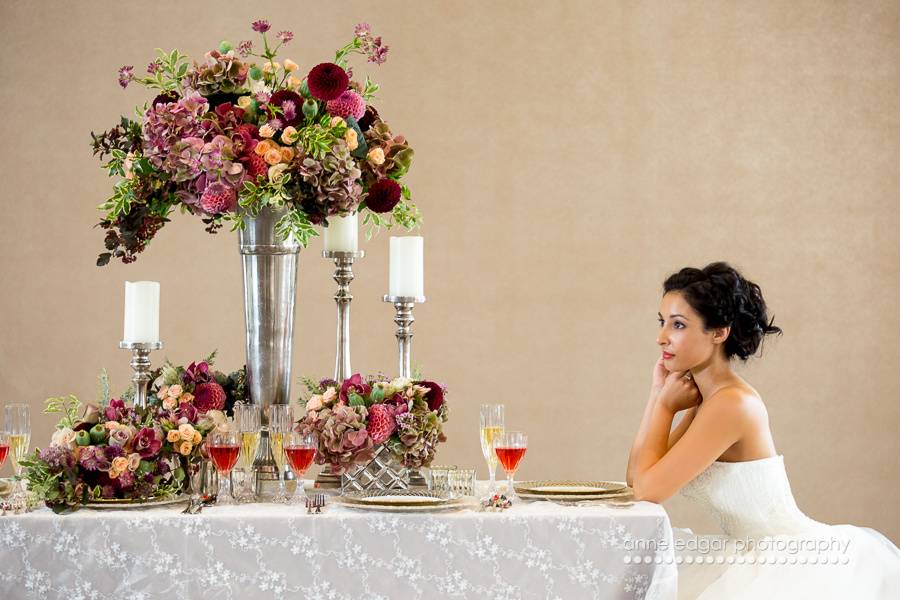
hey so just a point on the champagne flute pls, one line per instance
(492, 423)
(510, 449)
(18, 428)
(247, 420)
(279, 425)
(224, 448)
(300, 451)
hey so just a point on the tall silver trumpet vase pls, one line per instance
(140, 363)
(270, 290)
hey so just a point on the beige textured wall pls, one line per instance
(569, 156)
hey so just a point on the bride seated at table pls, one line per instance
(722, 455)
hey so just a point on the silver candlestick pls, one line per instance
(343, 275)
(404, 320)
(140, 363)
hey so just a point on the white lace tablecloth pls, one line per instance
(533, 550)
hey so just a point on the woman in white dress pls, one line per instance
(722, 455)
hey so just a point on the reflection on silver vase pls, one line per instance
(270, 289)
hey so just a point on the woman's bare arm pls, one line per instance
(682, 426)
(660, 472)
(640, 437)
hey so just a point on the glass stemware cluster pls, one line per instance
(498, 445)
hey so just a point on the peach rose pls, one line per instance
(295, 82)
(329, 394)
(276, 172)
(264, 146)
(119, 464)
(290, 66)
(273, 156)
(169, 403)
(110, 425)
(245, 102)
(186, 432)
(162, 392)
(271, 67)
(185, 448)
(197, 438)
(134, 461)
(266, 131)
(337, 122)
(351, 139)
(173, 436)
(289, 135)
(287, 154)
(186, 397)
(175, 391)
(376, 156)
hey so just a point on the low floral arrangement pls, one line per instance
(354, 417)
(227, 136)
(115, 451)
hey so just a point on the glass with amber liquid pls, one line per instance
(491, 429)
(18, 430)
(247, 420)
(279, 425)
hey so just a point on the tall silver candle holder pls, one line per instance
(140, 363)
(403, 305)
(343, 275)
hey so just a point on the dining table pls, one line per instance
(532, 550)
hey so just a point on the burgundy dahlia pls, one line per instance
(209, 396)
(290, 103)
(383, 196)
(435, 395)
(327, 81)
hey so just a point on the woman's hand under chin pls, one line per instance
(660, 372)
(678, 391)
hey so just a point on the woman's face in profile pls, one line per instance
(682, 339)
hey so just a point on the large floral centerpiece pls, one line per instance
(240, 131)
(354, 417)
(114, 451)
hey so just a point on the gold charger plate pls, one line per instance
(396, 498)
(120, 503)
(401, 501)
(574, 497)
(571, 488)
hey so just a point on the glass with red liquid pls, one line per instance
(4, 448)
(299, 452)
(224, 449)
(510, 449)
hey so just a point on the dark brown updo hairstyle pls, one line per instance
(722, 296)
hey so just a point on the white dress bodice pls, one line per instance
(750, 498)
(753, 502)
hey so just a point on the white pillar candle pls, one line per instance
(407, 272)
(141, 311)
(341, 234)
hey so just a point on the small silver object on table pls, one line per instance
(403, 305)
(140, 363)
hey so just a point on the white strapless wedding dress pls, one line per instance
(771, 550)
